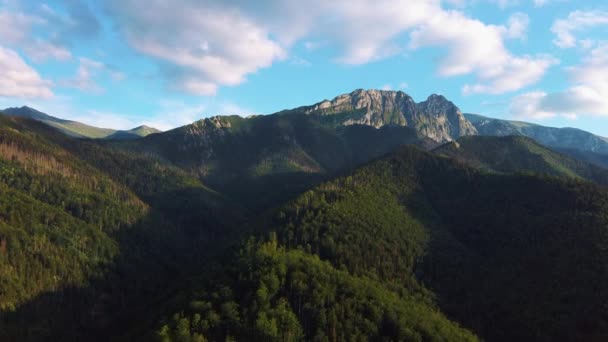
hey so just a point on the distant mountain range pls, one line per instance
(365, 218)
(437, 119)
(519, 154)
(77, 129)
(321, 140)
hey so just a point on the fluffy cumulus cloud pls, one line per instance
(476, 48)
(202, 45)
(587, 95)
(44, 33)
(18, 79)
(517, 26)
(576, 21)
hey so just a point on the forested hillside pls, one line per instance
(91, 235)
(263, 160)
(281, 229)
(490, 250)
(518, 154)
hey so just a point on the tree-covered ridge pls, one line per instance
(56, 215)
(277, 294)
(502, 258)
(512, 154)
(286, 153)
(111, 240)
(95, 239)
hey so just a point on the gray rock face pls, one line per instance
(563, 138)
(441, 120)
(436, 118)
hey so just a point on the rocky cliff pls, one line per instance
(436, 118)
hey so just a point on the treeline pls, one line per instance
(275, 294)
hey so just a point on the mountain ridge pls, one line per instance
(436, 117)
(289, 227)
(520, 154)
(565, 138)
(78, 129)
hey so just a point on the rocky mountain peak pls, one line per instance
(436, 118)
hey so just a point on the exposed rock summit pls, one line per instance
(436, 118)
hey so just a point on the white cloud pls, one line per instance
(18, 79)
(564, 29)
(387, 87)
(516, 73)
(517, 26)
(540, 3)
(587, 95)
(174, 114)
(88, 71)
(16, 26)
(40, 50)
(202, 45)
(477, 48)
(44, 33)
(16, 31)
(529, 106)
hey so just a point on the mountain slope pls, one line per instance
(77, 129)
(562, 138)
(135, 133)
(92, 236)
(276, 294)
(58, 214)
(263, 160)
(436, 118)
(512, 154)
(512, 257)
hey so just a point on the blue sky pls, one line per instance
(121, 63)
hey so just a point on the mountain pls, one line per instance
(91, 235)
(77, 129)
(58, 214)
(265, 154)
(298, 226)
(311, 143)
(436, 118)
(560, 138)
(508, 257)
(135, 133)
(511, 154)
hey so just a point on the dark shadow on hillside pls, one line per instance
(514, 257)
(261, 193)
(161, 257)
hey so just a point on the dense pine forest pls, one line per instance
(287, 228)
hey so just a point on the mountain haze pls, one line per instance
(562, 138)
(77, 129)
